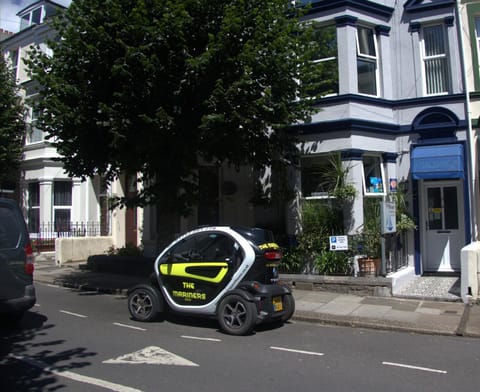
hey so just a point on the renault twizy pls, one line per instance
(223, 272)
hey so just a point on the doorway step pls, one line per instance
(439, 287)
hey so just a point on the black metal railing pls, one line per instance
(44, 235)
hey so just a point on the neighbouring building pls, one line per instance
(399, 118)
(55, 204)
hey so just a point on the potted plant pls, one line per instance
(371, 238)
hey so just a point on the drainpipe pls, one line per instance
(471, 156)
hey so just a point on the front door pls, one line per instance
(443, 230)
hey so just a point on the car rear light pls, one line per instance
(29, 259)
(273, 255)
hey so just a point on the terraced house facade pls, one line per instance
(402, 111)
(400, 120)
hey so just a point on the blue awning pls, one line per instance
(437, 162)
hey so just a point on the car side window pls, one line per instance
(9, 229)
(207, 247)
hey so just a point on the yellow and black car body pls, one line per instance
(223, 272)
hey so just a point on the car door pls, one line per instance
(197, 268)
(13, 236)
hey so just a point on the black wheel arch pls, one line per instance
(243, 293)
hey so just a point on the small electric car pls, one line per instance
(226, 273)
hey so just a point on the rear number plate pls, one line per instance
(277, 304)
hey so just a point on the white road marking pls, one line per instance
(129, 326)
(199, 338)
(73, 314)
(414, 367)
(152, 355)
(75, 376)
(296, 351)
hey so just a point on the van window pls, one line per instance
(10, 230)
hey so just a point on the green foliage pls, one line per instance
(319, 221)
(371, 227)
(334, 177)
(157, 86)
(12, 126)
(128, 250)
(292, 261)
(404, 220)
(332, 263)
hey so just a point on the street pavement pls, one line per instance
(386, 313)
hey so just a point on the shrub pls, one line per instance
(128, 250)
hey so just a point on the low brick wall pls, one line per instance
(363, 286)
(80, 248)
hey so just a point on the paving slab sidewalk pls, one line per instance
(399, 314)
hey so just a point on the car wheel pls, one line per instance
(236, 315)
(144, 303)
(288, 306)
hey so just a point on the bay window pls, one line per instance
(326, 61)
(367, 61)
(373, 176)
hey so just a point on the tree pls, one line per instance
(157, 87)
(12, 127)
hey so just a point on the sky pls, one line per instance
(9, 8)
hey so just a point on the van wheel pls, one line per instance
(236, 315)
(288, 306)
(145, 303)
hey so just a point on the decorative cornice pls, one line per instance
(412, 6)
(449, 21)
(382, 30)
(415, 27)
(371, 7)
(391, 104)
(352, 154)
(390, 157)
(346, 20)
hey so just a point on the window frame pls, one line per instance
(32, 129)
(321, 195)
(320, 59)
(368, 58)
(477, 40)
(366, 192)
(27, 19)
(33, 207)
(62, 207)
(428, 58)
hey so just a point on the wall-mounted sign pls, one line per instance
(339, 242)
(389, 219)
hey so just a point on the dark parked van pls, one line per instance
(17, 292)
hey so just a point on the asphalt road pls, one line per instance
(80, 341)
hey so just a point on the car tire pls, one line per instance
(288, 306)
(145, 303)
(236, 315)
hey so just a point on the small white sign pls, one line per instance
(389, 220)
(339, 242)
